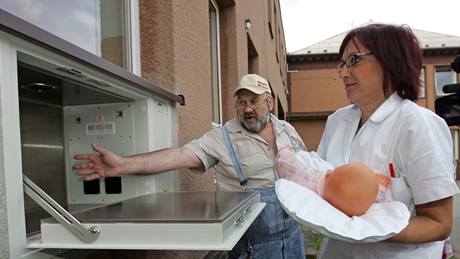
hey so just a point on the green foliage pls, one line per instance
(317, 239)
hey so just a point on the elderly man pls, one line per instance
(254, 136)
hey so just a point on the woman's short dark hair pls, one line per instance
(397, 50)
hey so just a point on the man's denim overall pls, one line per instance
(273, 234)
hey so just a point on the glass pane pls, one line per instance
(94, 25)
(444, 76)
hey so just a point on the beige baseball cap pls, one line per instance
(254, 83)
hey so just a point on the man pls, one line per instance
(254, 136)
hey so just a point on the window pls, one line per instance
(253, 57)
(270, 29)
(444, 75)
(215, 63)
(98, 26)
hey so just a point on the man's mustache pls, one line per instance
(250, 114)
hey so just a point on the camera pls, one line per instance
(448, 107)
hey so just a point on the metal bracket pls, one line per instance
(59, 213)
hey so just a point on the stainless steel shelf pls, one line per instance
(166, 221)
(170, 207)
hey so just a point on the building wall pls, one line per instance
(175, 53)
(234, 48)
(310, 130)
(316, 87)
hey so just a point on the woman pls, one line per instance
(385, 129)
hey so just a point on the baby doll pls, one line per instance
(351, 188)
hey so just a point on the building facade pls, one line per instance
(316, 90)
(201, 50)
(192, 54)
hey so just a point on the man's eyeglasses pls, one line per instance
(241, 104)
(351, 60)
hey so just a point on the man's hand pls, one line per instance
(106, 164)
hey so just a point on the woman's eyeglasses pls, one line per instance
(351, 60)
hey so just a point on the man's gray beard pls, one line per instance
(259, 125)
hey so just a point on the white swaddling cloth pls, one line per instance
(381, 221)
(298, 194)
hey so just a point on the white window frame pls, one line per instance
(215, 57)
(11, 138)
(422, 93)
(133, 36)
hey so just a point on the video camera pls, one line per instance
(448, 107)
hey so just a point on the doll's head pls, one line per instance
(351, 188)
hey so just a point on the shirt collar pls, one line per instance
(383, 111)
(386, 108)
(279, 125)
(234, 126)
(355, 114)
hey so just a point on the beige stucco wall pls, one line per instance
(261, 12)
(234, 48)
(175, 53)
(316, 88)
(310, 131)
(192, 57)
(157, 42)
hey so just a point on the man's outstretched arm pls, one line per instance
(107, 163)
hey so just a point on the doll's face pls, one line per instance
(351, 188)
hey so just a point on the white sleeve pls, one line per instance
(427, 152)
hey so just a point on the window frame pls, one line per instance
(422, 93)
(216, 83)
(130, 43)
(444, 68)
(133, 53)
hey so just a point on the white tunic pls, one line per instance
(418, 144)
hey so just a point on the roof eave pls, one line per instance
(443, 51)
(313, 57)
(319, 57)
